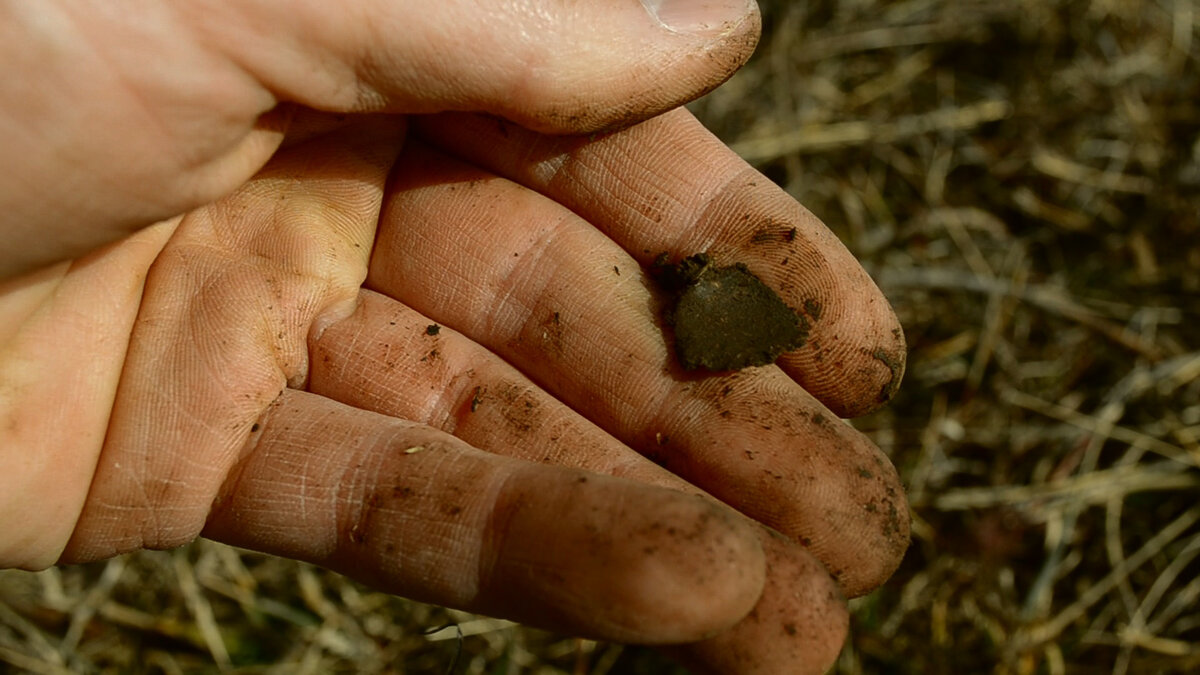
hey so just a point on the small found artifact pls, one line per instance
(725, 318)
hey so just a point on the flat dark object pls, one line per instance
(726, 318)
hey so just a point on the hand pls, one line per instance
(266, 401)
(110, 122)
(204, 428)
(585, 330)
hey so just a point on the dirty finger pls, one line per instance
(390, 359)
(572, 310)
(669, 186)
(417, 512)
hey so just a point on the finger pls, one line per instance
(669, 186)
(389, 359)
(416, 512)
(544, 64)
(63, 333)
(798, 626)
(223, 328)
(187, 97)
(565, 305)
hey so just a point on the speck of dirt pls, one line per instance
(768, 235)
(725, 318)
(254, 427)
(553, 330)
(433, 329)
(519, 408)
(476, 398)
(896, 366)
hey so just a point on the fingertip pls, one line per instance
(798, 626)
(852, 358)
(693, 53)
(550, 66)
(854, 368)
(783, 459)
(863, 532)
(704, 18)
(622, 561)
(875, 508)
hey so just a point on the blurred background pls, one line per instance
(1022, 179)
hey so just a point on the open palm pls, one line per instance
(431, 359)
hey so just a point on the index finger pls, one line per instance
(668, 185)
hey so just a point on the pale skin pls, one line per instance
(228, 332)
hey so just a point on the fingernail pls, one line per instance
(700, 16)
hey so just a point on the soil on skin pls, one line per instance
(725, 318)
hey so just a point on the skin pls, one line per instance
(257, 366)
(208, 114)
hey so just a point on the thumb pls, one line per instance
(134, 120)
(544, 64)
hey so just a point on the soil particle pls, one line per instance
(519, 408)
(896, 366)
(552, 332)
(725, 318)
(770, 235)
(433, 329)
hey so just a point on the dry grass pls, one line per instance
(1021, 178)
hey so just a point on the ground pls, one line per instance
(1021, 179)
